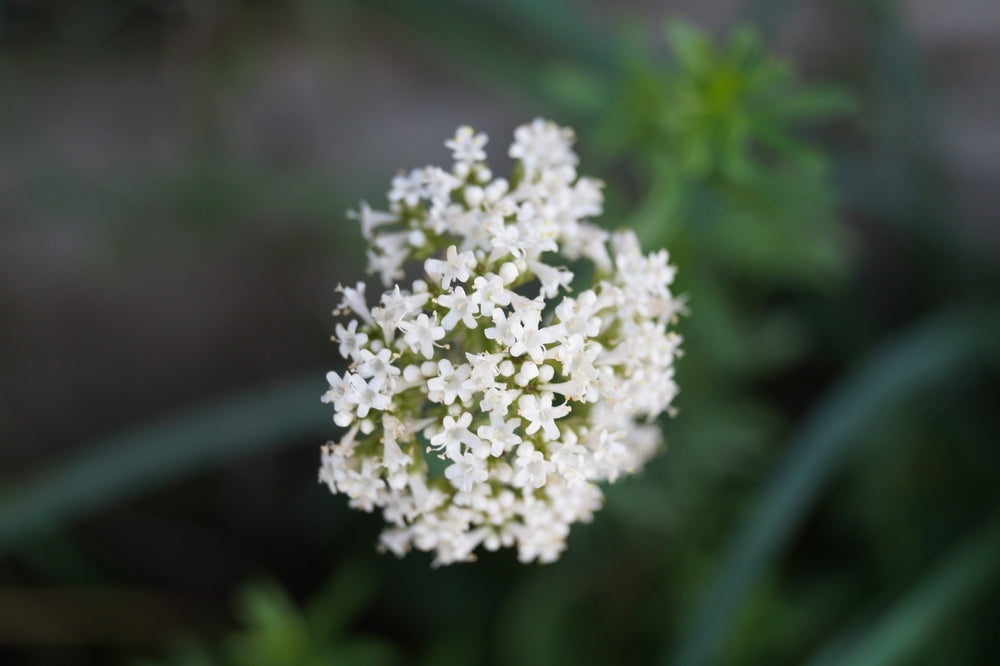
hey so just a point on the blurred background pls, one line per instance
(173, 181)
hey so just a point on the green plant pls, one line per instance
(276, 631)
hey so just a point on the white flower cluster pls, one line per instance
(484, 402)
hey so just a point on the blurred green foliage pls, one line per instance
(829, 490)
(277, 632)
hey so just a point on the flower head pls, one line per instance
(528, 393)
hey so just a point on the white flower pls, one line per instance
(467, 145)
(337, 388)
(440, 184)
(504, 239)
(461, 308)
(449, 383)
(497, 400)
(396, 306)
(529, 339)
(491, 293)
(370, 219)
(485, 367)
(504, 330)
(577, 316)
(454, 433)
(422, 333)
(354, 301)
(552, 278)
(364, 486)
(376, 365)
(572, 462)
(542, 145)
(466, 472)
(367, 395)
(531, 402)
(455, 266)
(408, 188)
(531, 467)
(501, 436)
(395, 461)
(541, 414)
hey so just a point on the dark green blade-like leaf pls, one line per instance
(350, 589)
(906, 627)
(149, 457)
(910, 362)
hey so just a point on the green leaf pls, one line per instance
(266, 604)
(744, 45)
(802, 155)
(921, 614)
(344, 597)
(533, 622)
(657, 221)
(359, 652)
(915, 360)
(575, 88)
(147, 457)
(815, 102)
(692, 48)
(275, 631)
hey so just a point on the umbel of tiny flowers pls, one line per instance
(485, 401)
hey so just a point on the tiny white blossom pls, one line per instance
(364, 486)
(455, 266)
(497, 400)
(395, 461)
(376, 365)
(454, 433)
(422, 333)
(505, 239)
(461, 308)
(543, 144)
(504, 330)
(541, 414)
(467, 145)
(440, 184)
(370, 219)
(368, 395)
(337, 389)
(354, 300)
(408, 188)
(467, 472)
(501, 436)
(531, 467)
(552, 278)
(450, 383)
(485, 367)
(491, 293)
(531, 340)
(396, 306)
